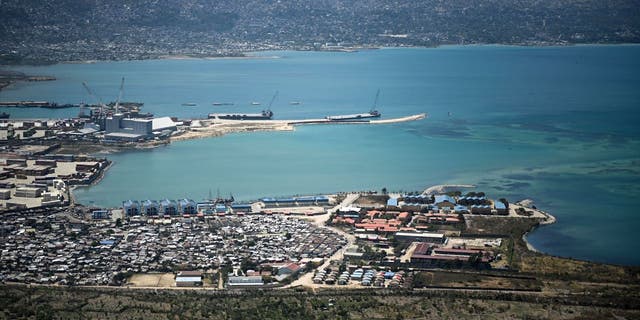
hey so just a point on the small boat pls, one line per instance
(4, 115)
(189, 104)
(222, 103)
(255, 103)
(295, 103)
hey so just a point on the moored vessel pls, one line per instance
(264, 115)
(355, 117)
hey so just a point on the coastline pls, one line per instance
(243, 56)
(346, 50)
(72, 197)
(548, 220)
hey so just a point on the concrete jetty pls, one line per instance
(218, 127)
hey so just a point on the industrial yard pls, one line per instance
(33, 181)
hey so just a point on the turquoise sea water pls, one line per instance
(557, 124)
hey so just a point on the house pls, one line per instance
(288, 269)
(403, 216)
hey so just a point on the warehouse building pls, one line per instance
(245, 281)
(428, 237)
(189, 278)
(119, 128)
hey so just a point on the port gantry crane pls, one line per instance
(120, 94)
(91, 94)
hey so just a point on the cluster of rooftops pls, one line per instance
(50, 249)
(443, 202)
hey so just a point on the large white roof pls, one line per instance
(421, 235)
(163, 123)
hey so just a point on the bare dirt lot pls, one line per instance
(152, 280)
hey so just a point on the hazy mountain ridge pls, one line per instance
(89, 29)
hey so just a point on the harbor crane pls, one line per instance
(375, 102)
(120, 94)
(272, 100)
(102, 106)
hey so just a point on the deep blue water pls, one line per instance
(557, 124)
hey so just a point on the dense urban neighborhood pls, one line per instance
(112, 30)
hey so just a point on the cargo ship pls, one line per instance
(355, 117)
(359, 116)
(264, 115)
